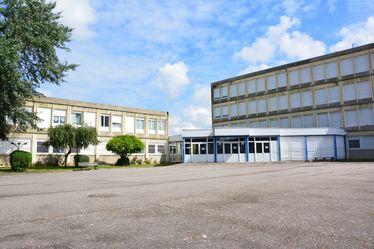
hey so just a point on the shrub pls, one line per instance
(123, 161)
(155, 162)
(80, 159)
(147, 161)
(20, 160)
(139, 161)
(134, 159)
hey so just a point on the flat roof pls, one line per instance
(84, 104)
(241, 131)
(297, 63)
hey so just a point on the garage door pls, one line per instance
(292, 148)
(320, 147)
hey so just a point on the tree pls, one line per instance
(69, 137)
(30, 35)
(124, 146)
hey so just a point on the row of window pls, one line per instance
(89, 118)
(322, 96)
(353, 118)
(41, 148)
(156, 148)
(329, 70)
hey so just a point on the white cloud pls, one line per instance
(280, 43)
(77, 14)
(297, 45)
(173, 78)
(331, 4)
(356, 34)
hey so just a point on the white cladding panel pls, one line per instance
(89, 119)
(89, 151)
(102, 149)
(320, 147)
(44, 114)
(129, 124)
(292, 148)
(116, 119)
(340, 147)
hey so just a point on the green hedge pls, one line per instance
(20, 160)
(80, 159)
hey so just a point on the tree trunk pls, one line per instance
(66, 157)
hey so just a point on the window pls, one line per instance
(263, 123)
(219, 148)
(152, 125)
(241, 89)
(90, 119)
(233, 92)
(307, 98)
(261, 105)
(116, 123)
(308, 121)
(331, 70)
(225, 111)
(260, 84)
(140, 123)
(242, 109)
(272, 104)
(346, 66)
(76, 118)
(104, 120)
(322, 120)
(216, 93)
(59, 117)
(152, 149)
(364, 90)
(253, 124)
(217, 112)
(274, 122)
(351, 118)
(297, 122)
(44, 114)
(271, 82)
(282, 80)
(161, 149)
(224, 92)
(361, 63)
(366, 116)
(40, 148)
(258, 147)
(354, 144)
(234, 110)
(295, 100)
(334, 95)
(210, 148)
(161, 125)
(349, 92)
(187, 149)
(283, 102)
(284, 122)
(252, 105)
(320, 96)
(195, 149)
(251, 148)
(294, 77)
(58, 150)
(318, 72)
(252, 86)
(305, 75)
(336, 119)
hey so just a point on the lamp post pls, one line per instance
(18, 145)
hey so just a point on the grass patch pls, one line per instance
(51, 168)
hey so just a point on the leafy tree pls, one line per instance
(69, 137)
(30, 36)
(124, 146)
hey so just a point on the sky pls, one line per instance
(163, 55)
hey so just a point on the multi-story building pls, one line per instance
(109, 120)
(333, 90)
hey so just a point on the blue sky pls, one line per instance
(164, 54)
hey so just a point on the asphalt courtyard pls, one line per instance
(283, 205)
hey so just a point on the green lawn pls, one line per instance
(51, 168)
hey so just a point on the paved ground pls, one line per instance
(293, 205)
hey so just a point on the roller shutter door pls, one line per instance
(341, 148)
(292, 148)
(320, 147)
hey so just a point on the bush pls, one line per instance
(155, 162)
(139, 161)
(147, 161)
(20, 160)
(80, 159)
(123, 161)
(134, 159)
